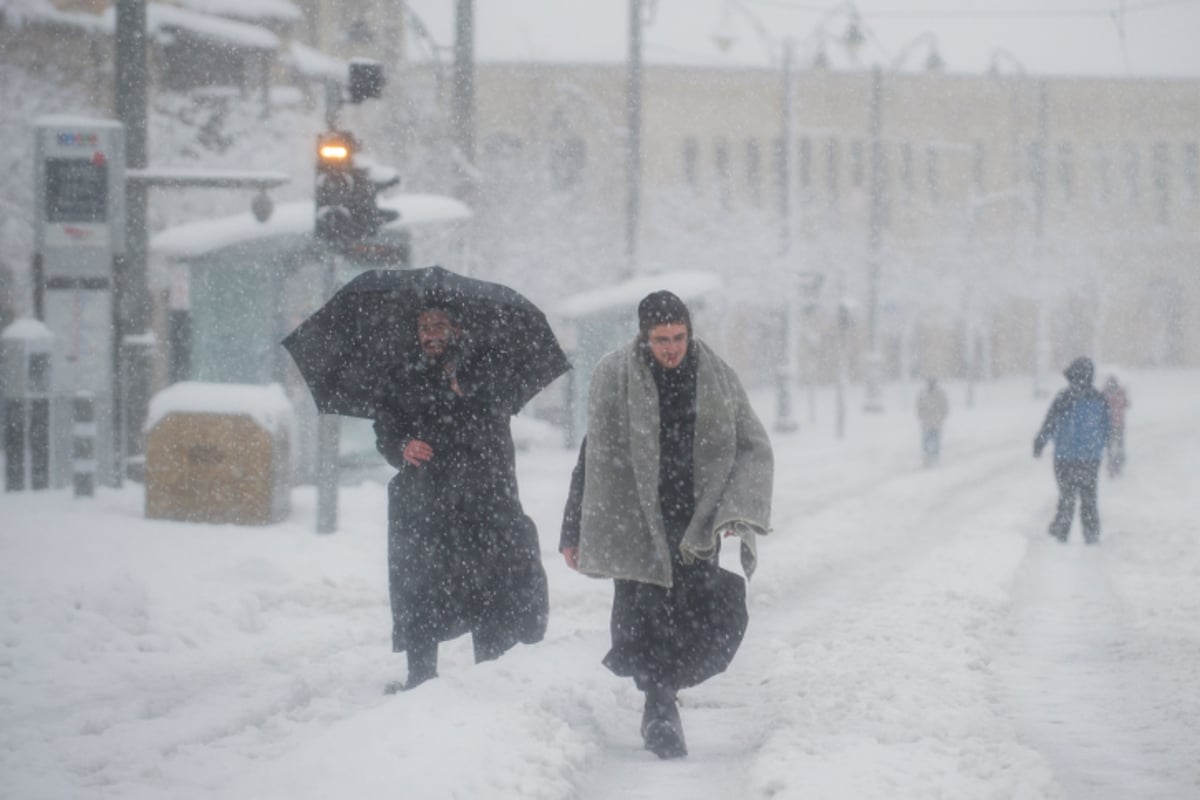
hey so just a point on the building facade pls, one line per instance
(1003, 215)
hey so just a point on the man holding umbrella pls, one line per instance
(441, 362)
(462, 555)
(675, 459)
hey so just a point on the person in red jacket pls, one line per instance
(1118, 402)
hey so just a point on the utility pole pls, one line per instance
(785, 417)
(131, 300)
(463, 115)
(873, 368)
(1041, 344)
(633, 139)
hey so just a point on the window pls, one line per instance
(1191, 171)
(1103, 175)
(804, 165)
(754, 171)
(691, 158)
(779, 162)
(1161, 177)
(906, 166)
(721, 164)
(978, 168)
(933, 177)
(833, 157)
(1037, 172)
(857, 163)
(1066, 172)
(1132, 173)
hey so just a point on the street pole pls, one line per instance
(843, 328)
(131, 300)
(633, 139)
(328, 475)
(873, 364)
(785, 373)
(464, 95)
(1041, 346)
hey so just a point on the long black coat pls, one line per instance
(462, 554)
(684, 635)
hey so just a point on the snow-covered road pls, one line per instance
(914, 633)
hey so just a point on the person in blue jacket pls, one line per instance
(1079, 423)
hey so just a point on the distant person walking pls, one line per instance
(1079, 423)
(1118, 403)
(932, 409)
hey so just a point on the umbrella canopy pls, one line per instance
(351, 346)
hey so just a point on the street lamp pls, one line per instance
(933, 59)
(873, 361)
(851, 39)
(640, 12)
(724, 38)
(1000, 55)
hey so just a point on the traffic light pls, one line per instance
(346, 190)
(366, 80)
(369, 181)
(334, 186)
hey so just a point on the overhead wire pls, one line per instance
(1032, 12)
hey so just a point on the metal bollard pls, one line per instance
(83, 443)
(14, 445)
(26, 360)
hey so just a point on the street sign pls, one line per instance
(79, 229)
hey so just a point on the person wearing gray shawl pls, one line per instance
(674, 460)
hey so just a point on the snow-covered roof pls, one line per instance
(164, 21)
(268, 406)
(690, 285)
(26, 329)
(21, 12)
(282, 10)
(314, 63)
(195, 239)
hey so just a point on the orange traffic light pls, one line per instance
(334, 149)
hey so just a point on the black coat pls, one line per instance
(462, 554)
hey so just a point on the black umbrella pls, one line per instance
(355, 342)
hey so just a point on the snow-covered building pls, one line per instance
(247, 46)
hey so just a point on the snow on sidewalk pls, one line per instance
(899, 643)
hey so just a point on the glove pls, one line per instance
(1037, 449)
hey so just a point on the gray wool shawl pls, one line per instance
(622, 534)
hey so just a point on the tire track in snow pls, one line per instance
(1081, 689)
(730, 718)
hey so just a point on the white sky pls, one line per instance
(913, 633)
(1060, 37)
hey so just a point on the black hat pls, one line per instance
(662, 308)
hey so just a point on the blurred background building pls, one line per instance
(962, 222)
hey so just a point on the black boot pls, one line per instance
(422, 666)
(662, 730)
